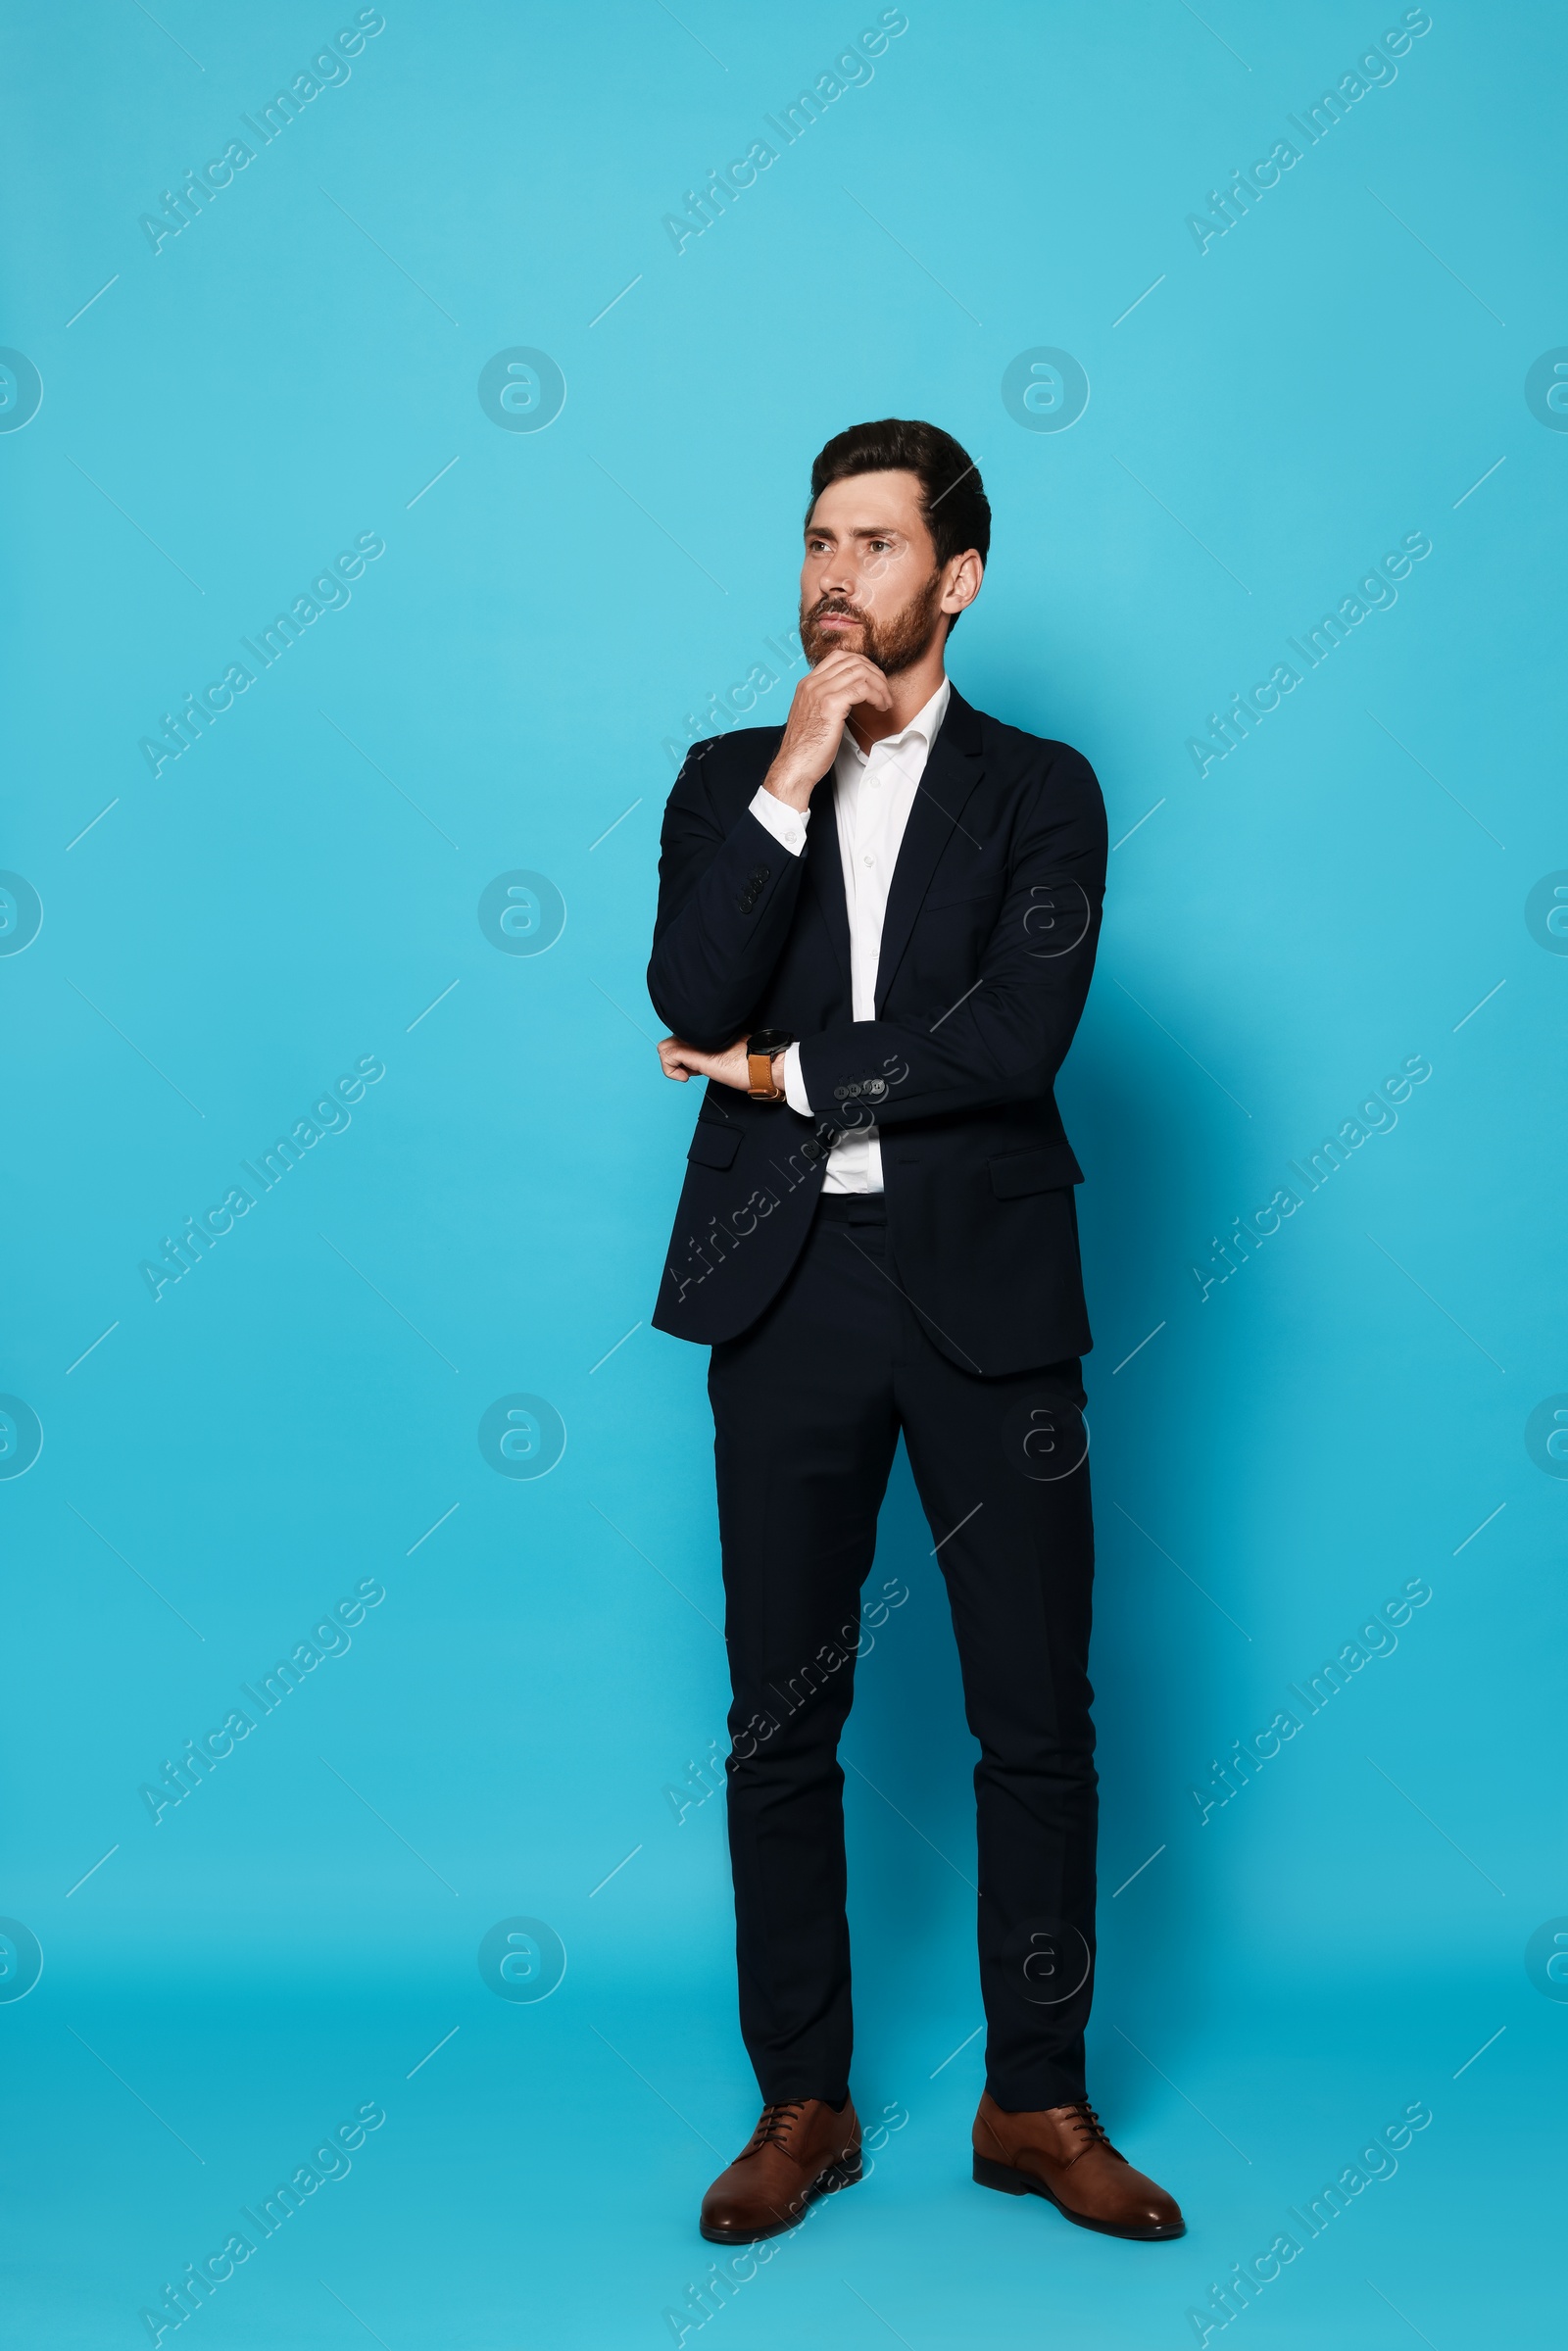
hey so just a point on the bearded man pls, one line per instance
(876, 928)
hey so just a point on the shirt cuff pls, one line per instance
(786, 825)
(794, 1083)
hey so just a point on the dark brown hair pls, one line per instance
(953, 499)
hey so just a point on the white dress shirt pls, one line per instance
(874, 793)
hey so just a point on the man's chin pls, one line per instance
(817, 641)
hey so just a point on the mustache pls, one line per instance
(838, 606)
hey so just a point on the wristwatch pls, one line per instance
(761, 1046)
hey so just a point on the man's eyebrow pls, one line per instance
(869, 530)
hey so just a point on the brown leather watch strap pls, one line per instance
(760, 1078)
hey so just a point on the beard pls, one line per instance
(893, 644)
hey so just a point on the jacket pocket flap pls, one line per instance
(714, 1146)
(1049, 1168)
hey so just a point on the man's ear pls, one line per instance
(965, 572)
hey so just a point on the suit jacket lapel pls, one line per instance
(951, 773)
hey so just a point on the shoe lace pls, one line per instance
(776, 2125)
(1090, 2130)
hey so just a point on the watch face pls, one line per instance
(768, 1040)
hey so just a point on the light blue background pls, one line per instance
(1341, 893)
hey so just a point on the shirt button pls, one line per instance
(868, 859)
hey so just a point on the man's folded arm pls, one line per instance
(1004, 1040)
(725, 903)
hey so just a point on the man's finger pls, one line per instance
(837, 667)
(844, 658)
(858, 674)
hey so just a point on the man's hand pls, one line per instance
(728, 1069)
(814, 727)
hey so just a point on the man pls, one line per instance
(876, 927)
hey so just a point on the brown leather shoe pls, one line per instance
(1062, 2153)
(798, 2151)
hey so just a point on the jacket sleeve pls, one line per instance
(1007, 1039)
(726, 899)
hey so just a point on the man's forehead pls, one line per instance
(863, 503)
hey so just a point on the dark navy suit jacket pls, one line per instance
(988, 945)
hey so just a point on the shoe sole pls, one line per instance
(845, 2173)
(1009, 2182)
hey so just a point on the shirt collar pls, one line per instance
(925, 723)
